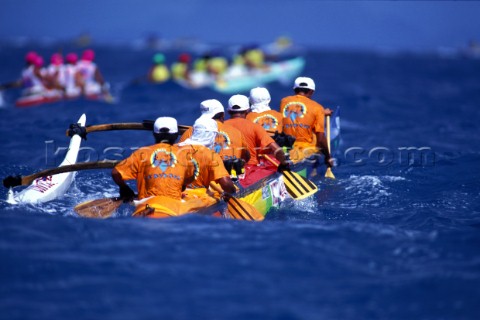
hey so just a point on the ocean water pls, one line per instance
(395, 236)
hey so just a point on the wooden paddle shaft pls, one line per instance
(145, 125)
(26, 180)
(328, 133)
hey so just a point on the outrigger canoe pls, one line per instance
(244, 80)
(52, 97)
(50, 187)
(239, 79)
(264, 194)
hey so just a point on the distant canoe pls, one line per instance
(240, 79)
(41, 99)
(284, 71)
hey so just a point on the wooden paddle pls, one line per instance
(99, 208)
(9, 85)
(13, 181)
(145, 125)
(104, 208)
(329, 173)
(239, 209)
(297, 186)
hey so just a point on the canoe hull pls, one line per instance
(40, 99)
(283, 71)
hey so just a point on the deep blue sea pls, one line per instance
(395, 236)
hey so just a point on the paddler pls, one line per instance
(304, 119)
(271, 120)
(33, 75)
(92, 81)
(72, 77)
(161, 173)
(181, 68)
(208, 164)
(258, 141)
(159, 72)
(55, 73)
(230, 143)
(262, 113)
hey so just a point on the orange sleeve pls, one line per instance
(217, 169)
(129, 168)
(187, 134)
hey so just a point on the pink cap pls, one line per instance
(184, 57)
(30, 57)
(71, 58)
(56, 59)
(88, 55)
(38, 61)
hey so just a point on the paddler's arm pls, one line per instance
(188, 180)
(126, 193)
(245, 155)
(227, 185)
(322, 145)
(279, 155)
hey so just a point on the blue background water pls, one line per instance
(388, 239)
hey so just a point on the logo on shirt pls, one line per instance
(222, 141)
(267, 121)
(163, 159)
(294, 110)
(196, 168)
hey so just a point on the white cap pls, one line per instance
(238, 102)
(167, 123)
(259, 97)
(304, 82)
(210, 108)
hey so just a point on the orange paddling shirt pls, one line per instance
(302, 117)
(229, 142)
(208, 166)
(159, 170)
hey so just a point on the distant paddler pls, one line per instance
(55, 72)
(32, 76)
(159, 72)
(92, 82)
(181, 68)
(72, 78)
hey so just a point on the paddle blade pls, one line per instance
(100, 208)
(242, 210)
(329, 174)
(297, 186)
